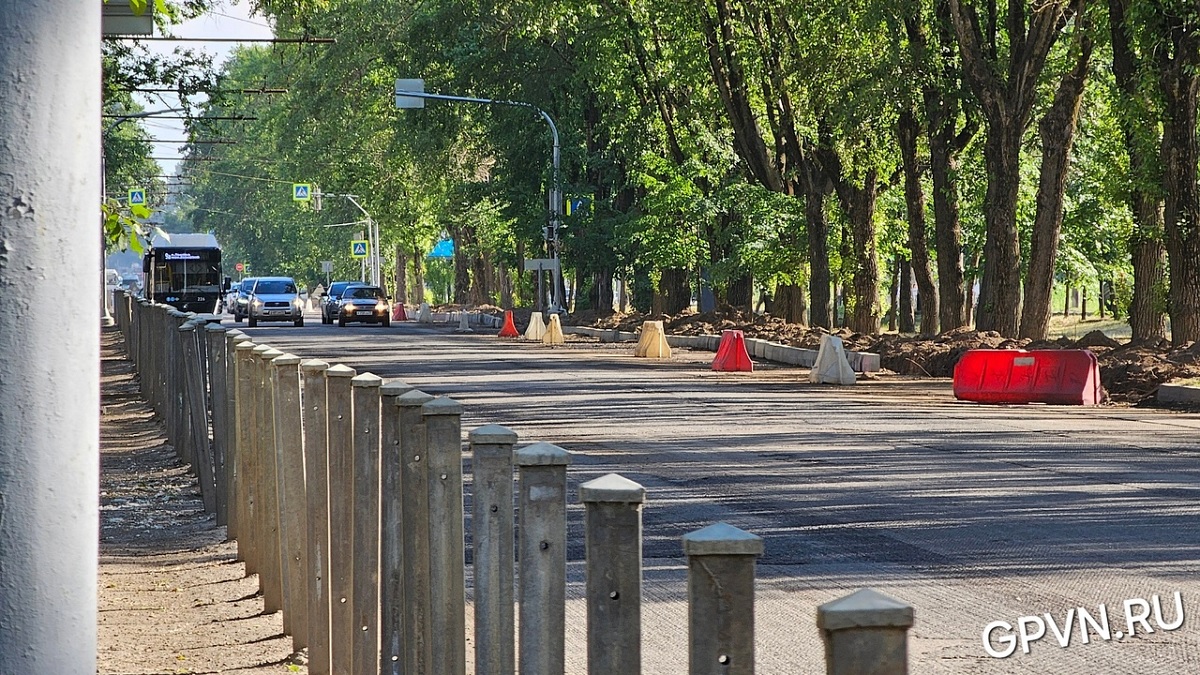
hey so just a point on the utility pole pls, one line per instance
(374, 259)
(49, 380)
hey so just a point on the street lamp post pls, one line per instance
(372, 234)
(555, 197)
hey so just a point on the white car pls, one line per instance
(274, 299)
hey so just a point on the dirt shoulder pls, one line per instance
(172, 596)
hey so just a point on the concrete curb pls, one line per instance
(1178, 393)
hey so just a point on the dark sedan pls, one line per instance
(368, 304)
(331, 298)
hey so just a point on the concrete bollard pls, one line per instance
(492, 541)
(464, 323)
(340, 430)
(197, 415)
(270, 566)
(554, 333)
(229, 431)
(543, 557)
(392, 639)
(424, 315)
(652, 342)
(414, 479)
(865, 633)
(316, 495)
(214, 335)
(447, 583)
(246, 418)
(537, 327)
(721, 599)
(365, 506)
(289, 471)
(614, 574)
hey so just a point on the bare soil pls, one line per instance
(172, 596)
(1130, 372)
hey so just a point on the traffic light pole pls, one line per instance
(49, 378)
(556, 207)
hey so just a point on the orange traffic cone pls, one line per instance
(398, 313)
(509, 330)
(732, 354)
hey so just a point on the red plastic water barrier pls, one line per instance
(1059, 376)
(732, 354)
(398, 313)
(510, 329)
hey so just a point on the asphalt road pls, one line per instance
(973, 514)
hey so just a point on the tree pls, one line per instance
(1006, 84)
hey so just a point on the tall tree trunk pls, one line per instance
(417, 292)
(740, 292)
(1000, 287)
(906, 319)
(1057, 130)
(1180, 81)
(820, 276)
(788, 303)
(860, 211)
(1147, 317)
(401, 293)
(674, 289)
(914, 199)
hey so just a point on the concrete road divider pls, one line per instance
(554, 332)
(464, 323)
(731, 354)
(537, 327)
(398, 313)
(831, 367)
(510, 329)
(424, 315)
(653, 342)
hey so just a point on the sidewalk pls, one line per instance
(172, 597)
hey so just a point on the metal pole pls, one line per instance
(49, 382)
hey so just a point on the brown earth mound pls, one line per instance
(1130, 372)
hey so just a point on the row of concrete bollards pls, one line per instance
(345, 496)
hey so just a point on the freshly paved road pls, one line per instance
(971, 513)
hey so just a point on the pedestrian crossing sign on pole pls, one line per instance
(301, 192)
(137, 197)
(576, 204)
(358, 248)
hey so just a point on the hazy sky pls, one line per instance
(227, 20)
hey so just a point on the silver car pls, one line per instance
(275, 299)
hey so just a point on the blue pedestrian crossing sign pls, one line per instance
(575, 205)
(137, 197)
(301, 192)
(358, 248)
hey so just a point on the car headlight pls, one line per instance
(298, 303)
(381, 307)
(257, 302)
(348, 308)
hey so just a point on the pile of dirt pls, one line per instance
(1130, 373)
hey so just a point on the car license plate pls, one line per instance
(274, 312)
(364, 313)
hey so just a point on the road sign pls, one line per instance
(410, 101)
(301, 192)
(326, 266)
(358, 248)
(540, 264)
(239, 267)
(575, 205)
(137, 197)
